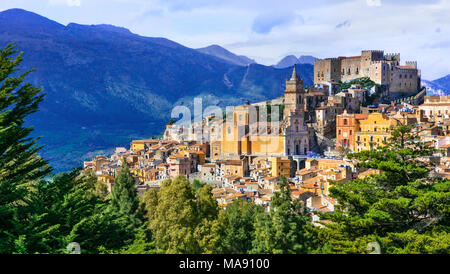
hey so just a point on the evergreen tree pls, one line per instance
(124, 197)
(149, 202)
(67, 209)
(285, 229)
(143, 243)
(207, 205)
(197, 185)
(176, 217)
(19, 164)
(402, 209)
(207, 231)
(238, 231)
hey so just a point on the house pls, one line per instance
(179, 165)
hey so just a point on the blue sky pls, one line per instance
(267, 30)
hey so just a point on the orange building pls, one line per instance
(347, 124)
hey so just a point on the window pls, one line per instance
(351, 132)
(339, 132)
(345, 122)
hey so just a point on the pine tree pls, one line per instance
(285, 229)
(238, 231)
(403, 208)
(19, 163)
(149, 202)
(124, 197)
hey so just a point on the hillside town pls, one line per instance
(303, 136)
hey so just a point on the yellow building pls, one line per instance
(280, 167)
(246, 133)
(375, 131)
(137, 145)
(236, 140)
(234, 168)
(107, 180)
(192, 154)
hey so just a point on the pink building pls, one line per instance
(179, 165)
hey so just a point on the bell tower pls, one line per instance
(294, 94)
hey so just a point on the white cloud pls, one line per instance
(374, 3)
(69, 3)
(73, 3)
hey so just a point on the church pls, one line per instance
(247, 132)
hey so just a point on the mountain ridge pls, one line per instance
(290, 60)
(222, 53)
(105, 85)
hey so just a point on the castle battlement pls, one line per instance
(373, 51)
(389, 56)
(373, 64)
(403, 69)
(412, 64)
(329, 59)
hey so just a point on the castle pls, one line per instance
(383, 69)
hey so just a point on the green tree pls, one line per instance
(197, 185)
(124, 198)
(238, 231)
(176, 217)
(66, 208)
(149, 202)
(143, 243)
(19, 164)
(207, 205)
(402, 208)
(207, 231)
(285, 229)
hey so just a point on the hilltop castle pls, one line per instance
(383, 69)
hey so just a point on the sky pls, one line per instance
(268, 30)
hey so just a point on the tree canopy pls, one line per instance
(403, 208)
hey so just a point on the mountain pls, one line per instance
(444, 82)
(106, 86)
(291, 60)
(287, 61)
(226, 55)
(307, 59)
(439, 86)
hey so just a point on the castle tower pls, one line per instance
(294, 94)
